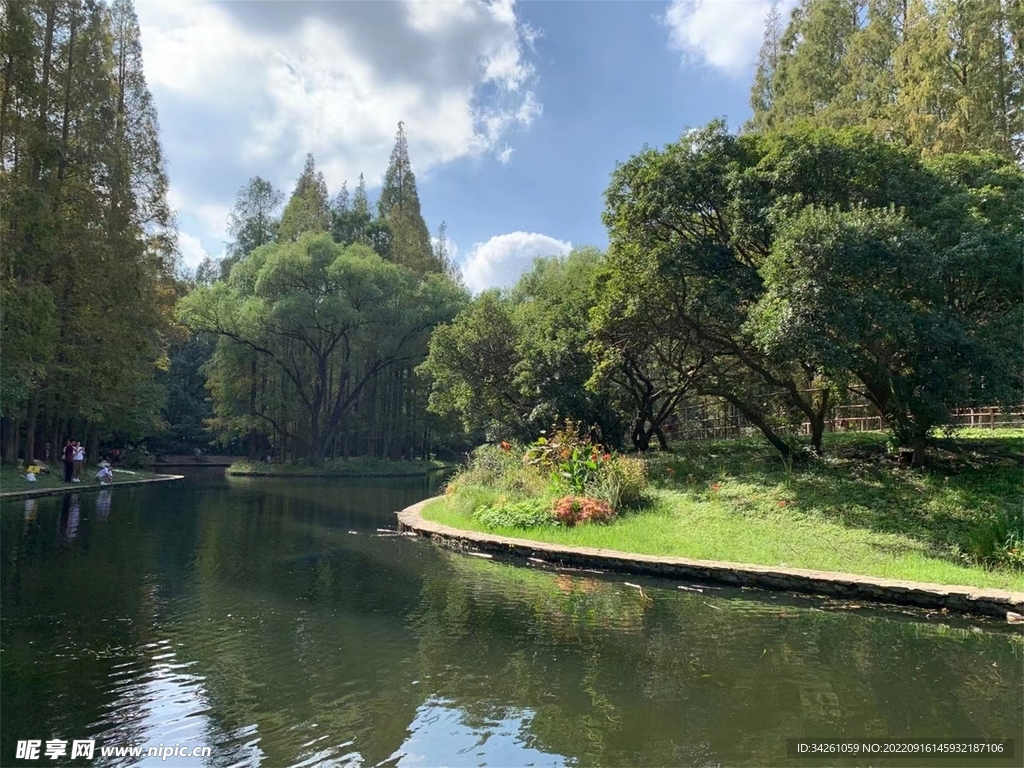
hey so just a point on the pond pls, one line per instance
(273, 621)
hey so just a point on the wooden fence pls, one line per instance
(720, 420)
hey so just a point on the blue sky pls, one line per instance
(516, 113)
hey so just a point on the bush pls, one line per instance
(530, 513)
(999, 542)
(622, 482)
(570, 510)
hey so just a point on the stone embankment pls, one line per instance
(80, 487)
(973, 600)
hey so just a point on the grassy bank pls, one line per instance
(12, 479)
(361, 467)
(854, 510)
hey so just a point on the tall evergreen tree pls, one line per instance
(399, 206)
(308, 209)
(89, 239)
(253, 221)
(762, 96)
(942, 76)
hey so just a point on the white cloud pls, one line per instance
(191, 249)
(335, 78)
(725, 34)
(500, 261)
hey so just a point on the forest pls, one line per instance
(858, 240)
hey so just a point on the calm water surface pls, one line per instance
(274, 622)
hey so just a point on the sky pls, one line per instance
(516, 112)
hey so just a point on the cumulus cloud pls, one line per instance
(249, 88)
(335, 78)
(725, 34)
(191, 250)
(500, 261)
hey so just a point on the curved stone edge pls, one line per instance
(972, 600)
(79, 487)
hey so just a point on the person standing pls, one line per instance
(69, 460)
(79, 459)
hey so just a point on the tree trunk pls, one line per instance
(758, 421)
(30, 430)
(919, 457)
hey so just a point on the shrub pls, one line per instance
(1000, 541)
(622, 482)
(498, 467)
(530, 513)
(550, 451)
(570, 510)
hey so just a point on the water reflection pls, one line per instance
(273, 621)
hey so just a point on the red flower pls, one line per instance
(606, 457)
(781, 503)
(506, 446)
(716, 486)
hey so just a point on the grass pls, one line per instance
(356, 467)
(855, 510)
(13, 479)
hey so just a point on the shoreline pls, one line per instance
(994, 603)
(398, 469)
(78, 487)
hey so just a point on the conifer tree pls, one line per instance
(762, 96)
(253, 221)
(308, 209)
(399, 206)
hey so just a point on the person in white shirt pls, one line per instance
(105, 475)
(79, 459)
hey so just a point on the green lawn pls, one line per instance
(356, 467)
(12, 479)
(855, 510)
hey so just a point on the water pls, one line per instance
(271, 621)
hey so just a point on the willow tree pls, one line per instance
(325, 322)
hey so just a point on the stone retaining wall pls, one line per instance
(79, 487)
(973, 600)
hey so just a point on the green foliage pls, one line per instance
(501, 469)
(774, 270)
(308, 209)
(855, 510)
(528, 513)
(88, 236)
(622, 482)
(399, 207)
(512, 362)
(305, 329)
(939, 76)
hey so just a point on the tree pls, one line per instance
(805, 261)
(762, 95)
(940, 76)
(89, 241)
(399, 206)
(471, 364)
(511, 364)
(860, 291)
(328, 320)
(308, 209)
(253, 221)
(689, 229)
